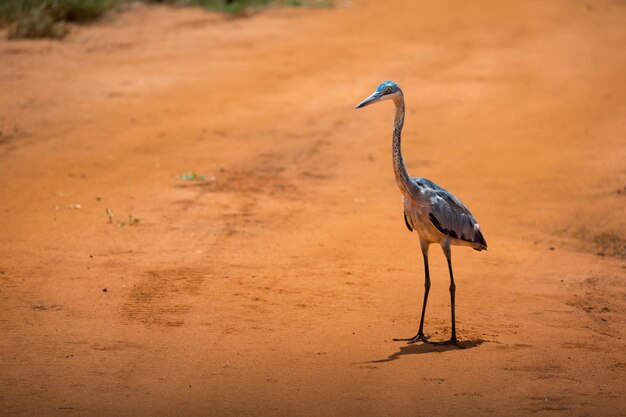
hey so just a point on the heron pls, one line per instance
(433, 212)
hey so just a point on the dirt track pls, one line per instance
(275, 286)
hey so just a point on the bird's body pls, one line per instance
(433, 212)
(438, 215)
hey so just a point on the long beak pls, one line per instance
(371, 99)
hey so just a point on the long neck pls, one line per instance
(402, 176)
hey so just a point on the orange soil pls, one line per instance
(275, 286)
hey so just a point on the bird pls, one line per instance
(433, 212)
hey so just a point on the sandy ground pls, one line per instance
(275, 286)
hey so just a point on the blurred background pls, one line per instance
(196, 221)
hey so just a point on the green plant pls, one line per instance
(37, 23)
(48, 18)
(11, 10)
(80, 11)
(191, 176)
(229, 6)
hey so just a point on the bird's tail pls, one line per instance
(479, 241)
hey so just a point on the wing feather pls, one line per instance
(449, 215)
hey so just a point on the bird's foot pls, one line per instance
(417, 338)
(453, 341)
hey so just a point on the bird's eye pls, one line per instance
(388, 90)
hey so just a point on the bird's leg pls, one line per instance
(420, 333)
(420, 336)
(453, 340)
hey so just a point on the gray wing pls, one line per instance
(449, 215)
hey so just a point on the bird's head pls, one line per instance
(385, 91)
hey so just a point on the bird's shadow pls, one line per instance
(421, 348)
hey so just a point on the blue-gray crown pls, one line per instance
(387, 84)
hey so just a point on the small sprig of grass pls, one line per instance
(131, 221)
(191, 176)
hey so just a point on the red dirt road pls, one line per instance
(275, 286)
